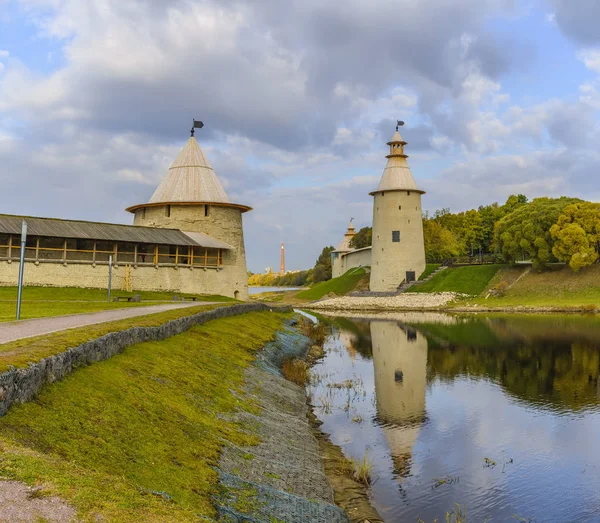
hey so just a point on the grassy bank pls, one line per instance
(21, 352)
(468, 280)
(39, 302)
(558, 287)
(339, 286)
(79, 294)
(134, 438)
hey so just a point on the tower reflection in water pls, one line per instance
(400, 366)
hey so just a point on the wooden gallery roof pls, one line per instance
(82, 230)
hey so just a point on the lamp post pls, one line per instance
(21, 267)
(109, 276)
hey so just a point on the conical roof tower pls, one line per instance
(396, 174)
(190, 180)
(344, 245)
(398, 251)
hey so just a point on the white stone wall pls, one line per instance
(396, 211)
(145, 278)
(346, 261)
(222, 223)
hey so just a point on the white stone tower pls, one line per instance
(191, 198)
(398, 252)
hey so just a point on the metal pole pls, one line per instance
(109, 276)
(21, 267)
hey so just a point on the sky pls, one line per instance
(298, 100)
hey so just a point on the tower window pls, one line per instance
(408, 221)
(399, 207)
(206, 210)
(144, 213)
(168, 211)
(395, 236)
(408, 192)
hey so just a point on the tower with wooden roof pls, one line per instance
(398, 251)
(191, 198)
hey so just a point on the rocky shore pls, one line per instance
(405, 301)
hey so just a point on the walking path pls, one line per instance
(17, 330)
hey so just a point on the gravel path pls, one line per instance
(408, 300)
(17, 330)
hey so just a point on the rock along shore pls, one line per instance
(406, 301)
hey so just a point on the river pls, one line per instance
(498, 414)
(258, 290)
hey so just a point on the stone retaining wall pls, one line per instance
(21, 385)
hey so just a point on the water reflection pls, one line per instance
(443, 393)
(400, 368)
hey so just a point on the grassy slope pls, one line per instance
(340, 286)
(469, 280)
(149, 420)
(561, 287)
(76, 293)
(41, 302)
(429, 268)
(19, 353)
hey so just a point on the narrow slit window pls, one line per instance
(395, 236)
(168, 211)
(206, 210)
(399, 207)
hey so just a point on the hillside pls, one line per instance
(339, 286)
(559, 286)
(472, 280)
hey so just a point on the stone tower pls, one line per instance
(192, 199)
(398, 252)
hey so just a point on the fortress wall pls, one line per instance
(224, 281)
(21, 385)
(360, 258)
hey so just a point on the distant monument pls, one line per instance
(282, 268)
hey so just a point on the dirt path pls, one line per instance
(17, 330)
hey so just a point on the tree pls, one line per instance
(577, 235)
(525, 232)
(440, 243)
(322, 270)
(363, 238)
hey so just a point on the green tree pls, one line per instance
(363, 238)
(440, 243)
(525, 232)
(322, 270)
(576, 235)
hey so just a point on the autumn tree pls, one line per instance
(363, 238)
(525, 232)
(576, 234)
(440, 243)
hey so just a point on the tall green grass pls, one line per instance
(468, 280)
(340, 286)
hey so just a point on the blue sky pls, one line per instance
(96, 99)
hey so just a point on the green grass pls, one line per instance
(468, 280)
(21, 352)
(560, 287)
(429, 269)
(114, 436)
(340, 286)
(41, 302)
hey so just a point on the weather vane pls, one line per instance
(197, 125)
(399, 123)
